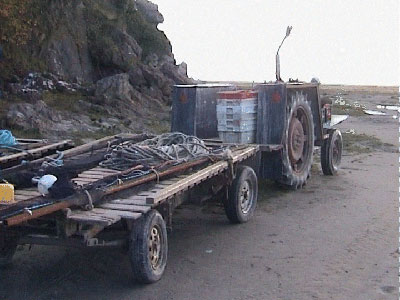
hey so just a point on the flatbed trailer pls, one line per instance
(134, 213)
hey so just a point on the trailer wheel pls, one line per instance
(331, 153)
(7, 251)
(149, 248)
(242, 196)
(298, 143)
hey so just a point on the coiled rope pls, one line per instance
(174, 148)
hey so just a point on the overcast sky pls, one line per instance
(338, 41)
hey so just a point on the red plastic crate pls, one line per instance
(238, 95)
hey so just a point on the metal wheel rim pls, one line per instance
(299, 119)
(155, 244)
(245, 197)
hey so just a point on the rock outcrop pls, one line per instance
(150, 11)
(108, 53)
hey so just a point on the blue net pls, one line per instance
(7, 139)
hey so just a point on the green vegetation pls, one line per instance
(147, 35)
(347, 110)
(79, 137)
(103, 39)
(32, 133)
(63, 101)
(21, 22)
(69, 102)
(26, 27)
(362, 143)
(159, 126)
(104, 35)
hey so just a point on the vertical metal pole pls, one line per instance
(278, 68)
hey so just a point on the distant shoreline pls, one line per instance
(328, 87)
(362, 88)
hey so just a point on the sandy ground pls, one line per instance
(335, 239)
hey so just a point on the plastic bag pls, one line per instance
(7, 139)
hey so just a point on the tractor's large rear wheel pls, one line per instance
(298, 143)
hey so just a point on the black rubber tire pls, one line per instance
(141, 264)
(291, 178)
(245, 178)
(8, 247)
(329, 162)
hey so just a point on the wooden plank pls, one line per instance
(34, 193)
(85, 179)
(102, 216)
(82, 181)
(125, 207)
(23, 197)
(123, 214)
(34, 152)
(135, 200)
(141, 202)
(93, 218)
(90, 176)
(90, 172)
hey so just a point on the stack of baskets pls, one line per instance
(237, 116)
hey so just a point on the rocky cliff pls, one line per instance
(85, 68)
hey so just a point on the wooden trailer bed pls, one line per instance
(170, 184)
(139, 203)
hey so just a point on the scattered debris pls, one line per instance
(33, 85)
(389, 107)
(342, 102)
(337, 119)
(374, 112)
